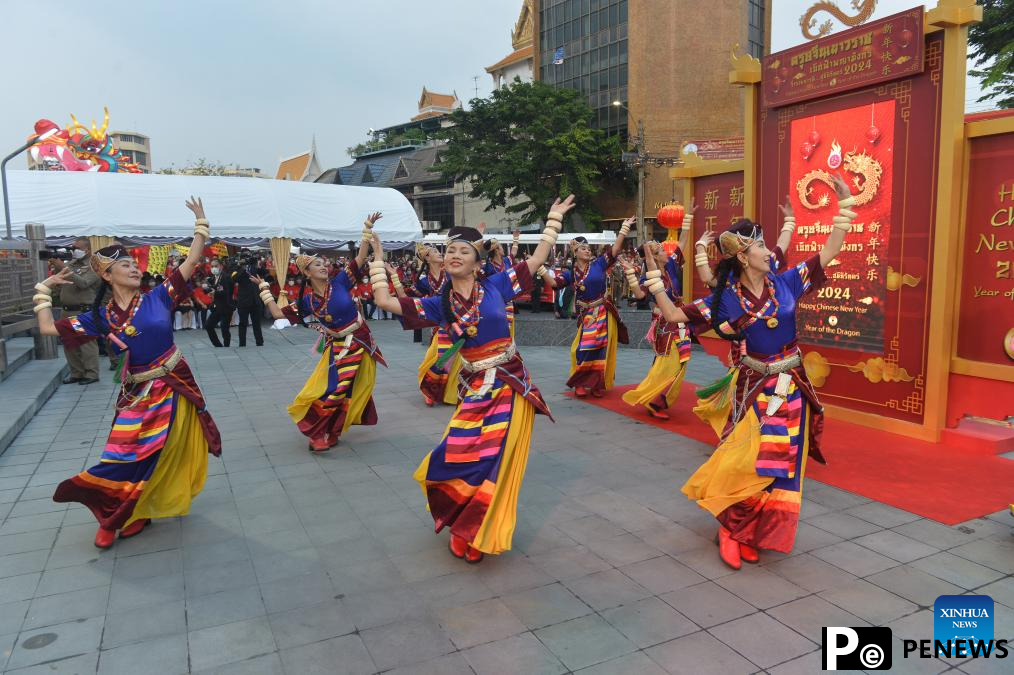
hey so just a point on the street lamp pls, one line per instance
(641, 156)
(3, 180)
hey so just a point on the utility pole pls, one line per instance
(640, 160)
(642, 235)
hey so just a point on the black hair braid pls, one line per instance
(299, 302)
(101, 324)
(445, 303)
(723, 271)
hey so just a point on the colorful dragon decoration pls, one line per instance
(866, 180)
(78, 148)
(811, 31)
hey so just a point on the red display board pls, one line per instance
(986, 331)
(858, 144)
(719, 199)
(878, 51)
(887, 378)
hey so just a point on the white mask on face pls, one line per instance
(77, 254)
(216, 270)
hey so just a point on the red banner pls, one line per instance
(716, 148)
(720, 201)
(848, 312)
(891, 385)
(882, 50)
(986, 331)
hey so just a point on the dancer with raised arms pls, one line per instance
(155, 460)
(339, 392)
(752, 483)
(472, 479)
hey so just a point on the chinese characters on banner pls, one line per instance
(719, 199)
(848, 312)
(987, 283)
(878, 51)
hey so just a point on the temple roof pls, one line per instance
(519, 55)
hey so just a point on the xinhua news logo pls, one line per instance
(858, 648)
(962, 628)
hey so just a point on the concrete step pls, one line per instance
(19, 352)
(979, 438)
(24, 393)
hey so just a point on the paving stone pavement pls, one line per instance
(295, 563)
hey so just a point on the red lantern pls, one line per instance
(814, 138)
(670, 217)
(806, 149)
(906, 38)
(776, 83)
(873, 134)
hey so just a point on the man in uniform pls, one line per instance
(221, 311)
(77, 297)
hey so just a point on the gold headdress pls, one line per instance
(303, 261)
(104, 258)
(421, 250)
(732, 243)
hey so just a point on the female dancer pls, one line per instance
(593, 353)
(496, 262)
(661, 386)
(437, 378)
(471, 480)
(339, 392)
(156, 457)
(753, 481)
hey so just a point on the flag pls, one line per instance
(558, 57)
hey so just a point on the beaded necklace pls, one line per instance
(126, 326)
(580, 276)
(320, 311)
(467, 319)
(772, 320)
(436, 283)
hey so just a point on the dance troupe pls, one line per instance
(765, 412)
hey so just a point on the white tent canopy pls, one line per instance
(607, 237)
(78, 203)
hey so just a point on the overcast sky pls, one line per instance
(247, 82)
(242, 82)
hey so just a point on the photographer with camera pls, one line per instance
(76, 297)
(248, 298)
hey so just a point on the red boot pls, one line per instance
(134, 528)
(728, 549)
(458, 546)
(658, 414)
(749, 554)
(598, 393)
(429, 402)
(580, 392)
(104, 538)
(473, 556)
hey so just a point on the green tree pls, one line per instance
(201, 167)
(992, 48)
(527, 144)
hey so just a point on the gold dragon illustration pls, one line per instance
(812, 31)
(866, 180)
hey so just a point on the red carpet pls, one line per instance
(928, 479)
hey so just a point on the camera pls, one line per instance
(46, 254)
(856, 648)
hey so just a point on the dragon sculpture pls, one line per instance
(78, 148)
(808, 22)
(866, 180)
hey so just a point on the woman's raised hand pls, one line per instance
(707, 239)
(841, 188)
(564, 206)
(374, 217)
(61, 278)
(786, 208)
(197, 206)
